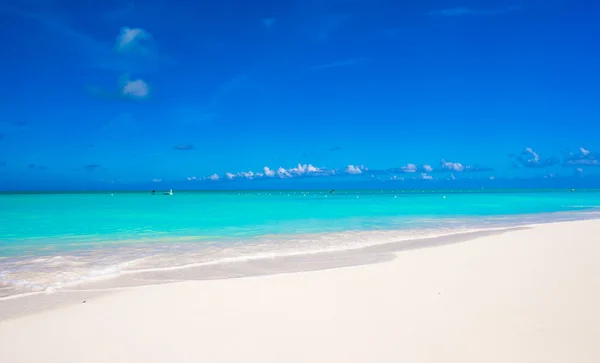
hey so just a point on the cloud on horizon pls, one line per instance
(584, 157)
(308, 170)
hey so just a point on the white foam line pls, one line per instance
(116, 272)
(271, 255)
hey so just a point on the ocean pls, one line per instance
(53, 241)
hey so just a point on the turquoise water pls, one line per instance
(49, 240)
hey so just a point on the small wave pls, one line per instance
(47, 274)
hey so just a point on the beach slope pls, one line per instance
(530, 295)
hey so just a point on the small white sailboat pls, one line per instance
(170, 192)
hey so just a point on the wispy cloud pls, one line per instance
(336, 148)
(583, 157)
(135, 40)
(466, 11)
(447, 165)
(156, 180)
(345, 63)
(184, 147)
(409, 168)
(134, 51)
(531, 159)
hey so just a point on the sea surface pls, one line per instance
(52, 241)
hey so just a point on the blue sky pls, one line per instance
(232, 94)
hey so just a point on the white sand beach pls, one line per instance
(529, 295)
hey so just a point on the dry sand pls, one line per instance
(523, 296)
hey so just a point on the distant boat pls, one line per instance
(170, 192)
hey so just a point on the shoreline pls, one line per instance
(90, 266)
(26, 303)
(529, 294)
(15, 306)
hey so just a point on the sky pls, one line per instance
(231, 94)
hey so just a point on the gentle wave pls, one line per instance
(20, 276)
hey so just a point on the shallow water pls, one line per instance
(48, 241)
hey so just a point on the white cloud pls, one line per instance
(136, 89)
(492, 177)
(409, 168)
(535, 157)
(156, 180)
(424, 176)
(579, 170)
(299, 171)
(584, 152)
(246, 174)
(452, 177)
(354, 170)
(427, 168)
(133, 39)
(304, 169)
(282, 173)
(312, 169)
(458, 167)
(190, 178)
(268, 172)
